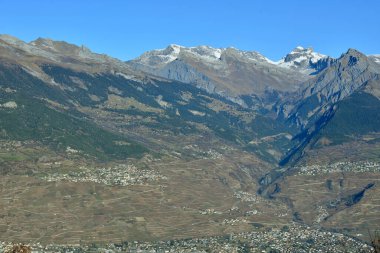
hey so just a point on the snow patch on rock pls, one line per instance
(9, 105)
(197, 113)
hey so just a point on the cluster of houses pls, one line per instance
(356, 167)
(292, 238)
(123, 175)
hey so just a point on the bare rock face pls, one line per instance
(344, 76)
(348, 78)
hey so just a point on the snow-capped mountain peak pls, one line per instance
(301, 58)
(375, 58)
(206, 51)
(173, 52)
(172, 49)
(209, 54)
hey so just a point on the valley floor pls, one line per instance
(154, 203)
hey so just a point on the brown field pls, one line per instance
(34, 210)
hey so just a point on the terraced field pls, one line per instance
(343, 201)
(70, 211)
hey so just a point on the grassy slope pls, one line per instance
(34, 120)
(357, 115)
(78, 87)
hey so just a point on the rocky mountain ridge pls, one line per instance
(46, 51)
(228, 71)
(231, 72)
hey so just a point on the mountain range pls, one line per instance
(266, 135)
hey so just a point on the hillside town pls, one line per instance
(356, 167)
(122, 174)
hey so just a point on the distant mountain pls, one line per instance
(231, 72)
(305, 60)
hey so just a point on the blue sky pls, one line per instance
(126, 28)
